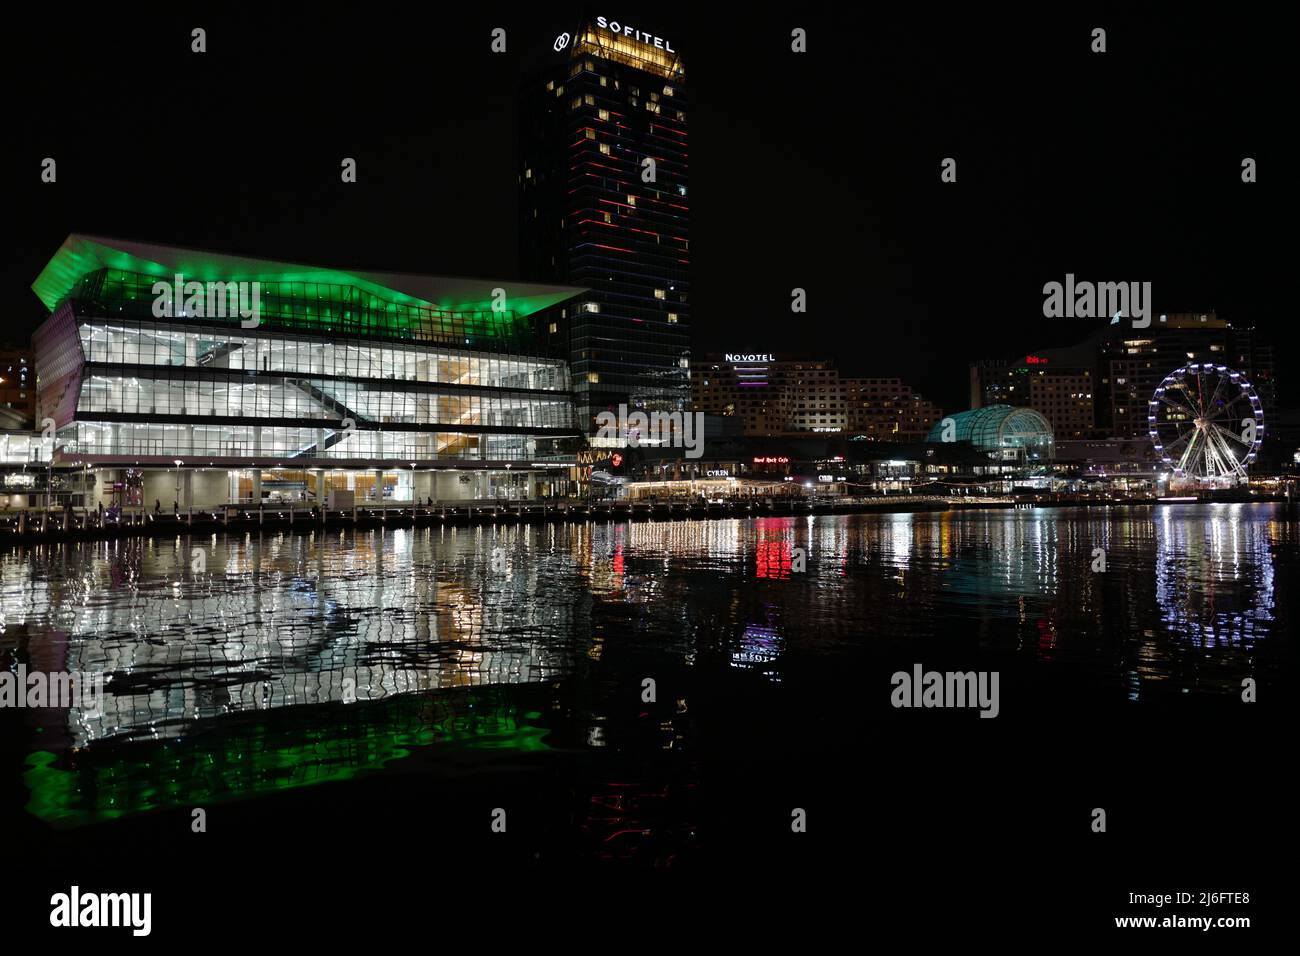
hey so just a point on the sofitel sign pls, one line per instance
(736, 357)
(613, 26)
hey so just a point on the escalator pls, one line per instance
(213, 356)
(330, 404)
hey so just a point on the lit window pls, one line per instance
(593, 377)
(672, 318)
(591, 306)
(659, 293)
(631, 200)
(604, 149)
(554, 327)
(603, 114)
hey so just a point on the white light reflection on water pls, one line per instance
(1187, 604)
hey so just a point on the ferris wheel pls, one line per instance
(1206, 422)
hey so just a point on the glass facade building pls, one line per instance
(385, 374)
(1008, 434)
(605, 205)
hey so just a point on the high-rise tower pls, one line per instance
(605, 206)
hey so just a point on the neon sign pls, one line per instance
(771, 460)
(1035, 360)
(760, 357)
(613, 26)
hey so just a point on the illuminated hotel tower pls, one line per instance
(604, 206)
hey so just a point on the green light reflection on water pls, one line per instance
(247, 760)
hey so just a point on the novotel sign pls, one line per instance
(761, 357)
(613, 26)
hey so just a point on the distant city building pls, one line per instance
(1136, 361)
(807, 397)
(1100, 388)
(17, 387)
(1059, 384)
(604, 205)
(888, 410)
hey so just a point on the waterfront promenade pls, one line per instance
(74, 524)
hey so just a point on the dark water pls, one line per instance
(277, 680)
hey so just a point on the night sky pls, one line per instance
(818, 170)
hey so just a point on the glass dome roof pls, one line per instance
(998, 428)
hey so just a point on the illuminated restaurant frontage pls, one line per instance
(742, 467)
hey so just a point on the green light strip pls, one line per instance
(81, 255)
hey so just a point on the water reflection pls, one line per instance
(264, 623)
(254, 756)
(1209, 585)
(231, 660)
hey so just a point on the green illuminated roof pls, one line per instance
(81, 255)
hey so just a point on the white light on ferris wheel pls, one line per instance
(1206, 422)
